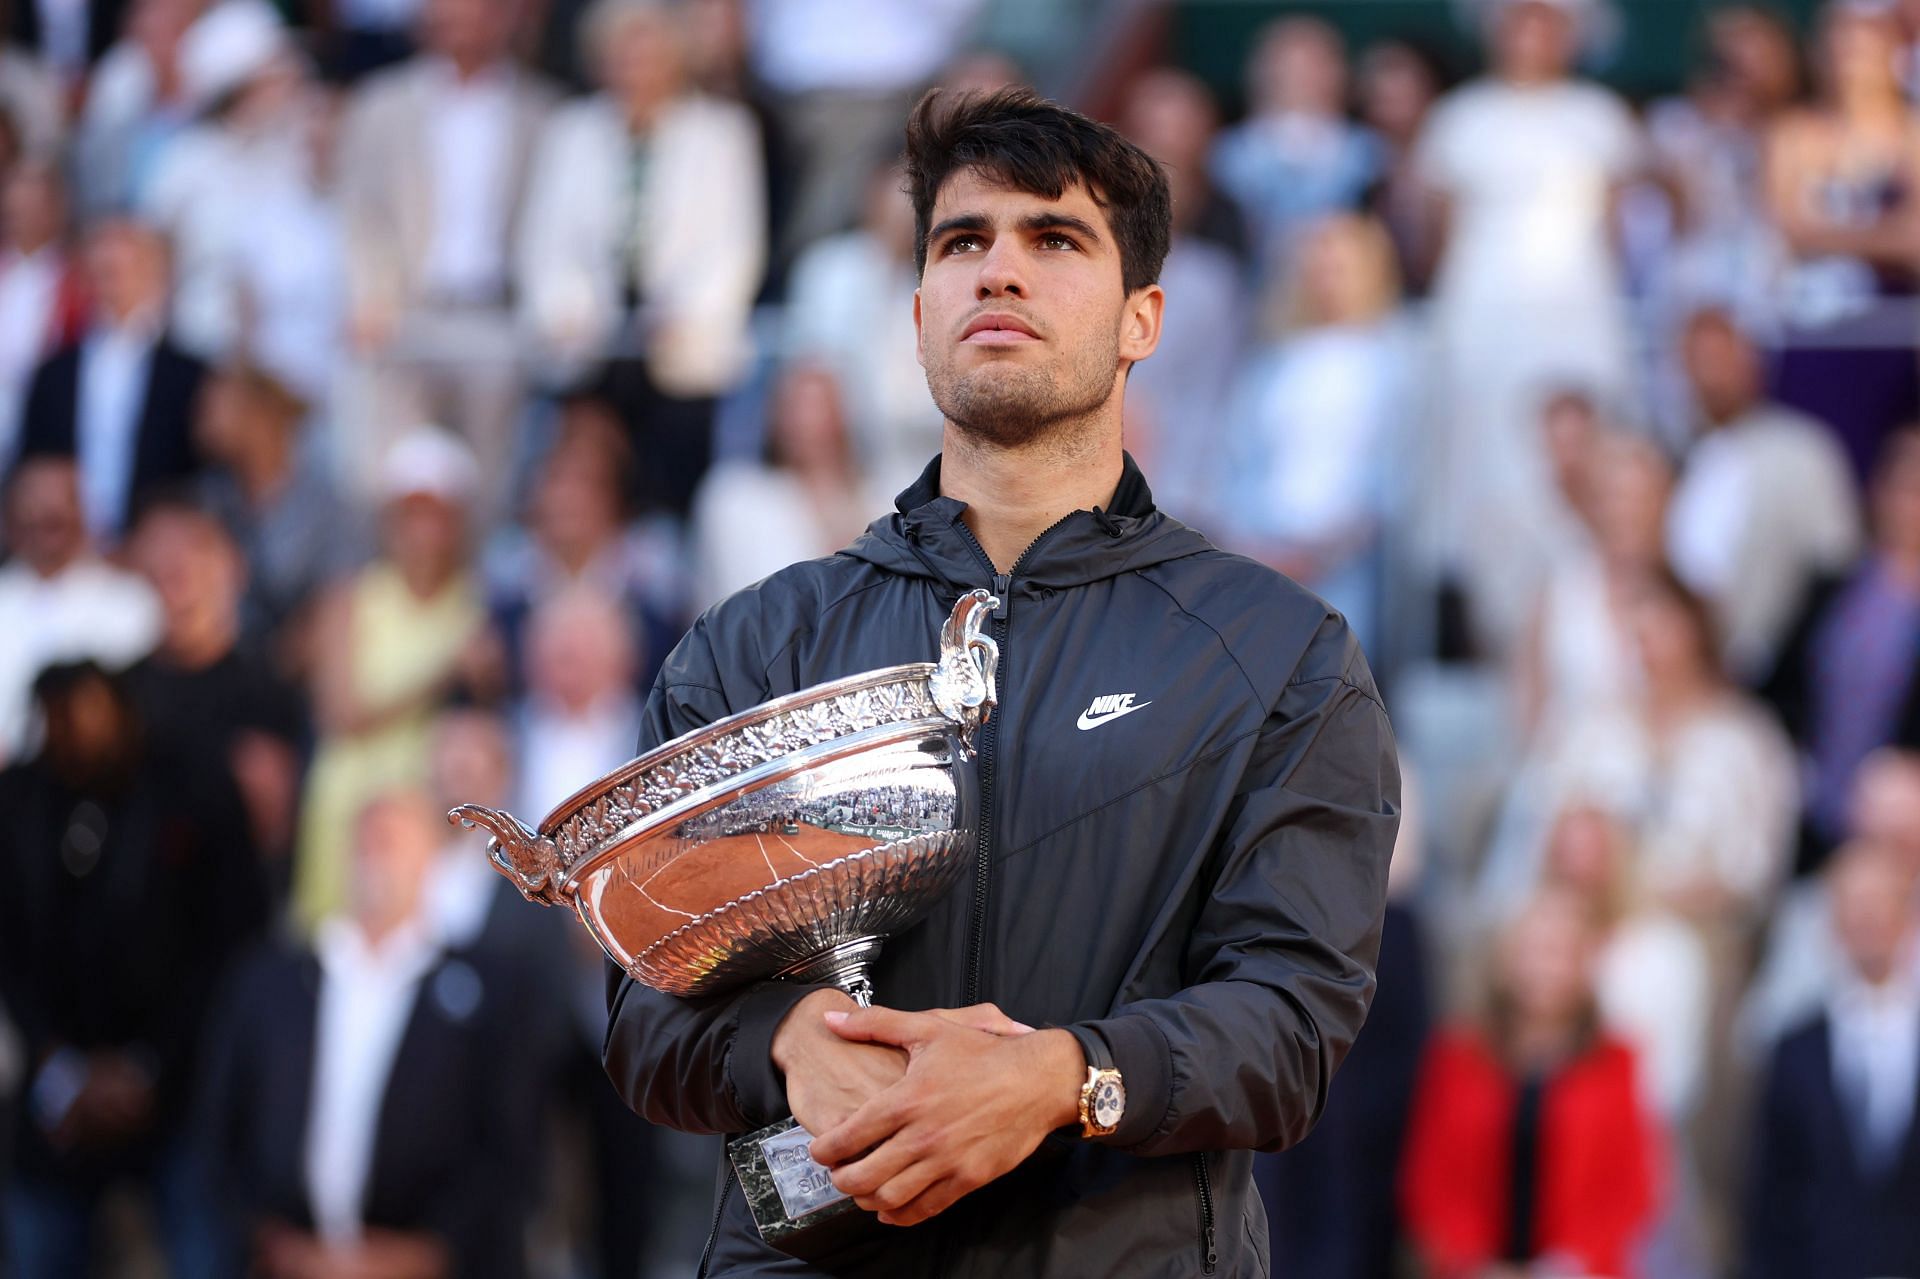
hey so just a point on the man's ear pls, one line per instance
(919, 332)
(1140, 322)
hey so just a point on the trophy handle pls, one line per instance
(524, 856)
(963, 681)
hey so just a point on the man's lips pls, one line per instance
(997, 328)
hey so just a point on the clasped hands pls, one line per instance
(913, 1110)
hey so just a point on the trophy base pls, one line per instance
(843, 965)
(793, 1200)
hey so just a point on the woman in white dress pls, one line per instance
(1523, 164)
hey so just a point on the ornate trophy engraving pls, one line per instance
(786, 841)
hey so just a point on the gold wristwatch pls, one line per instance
(1103, 1098)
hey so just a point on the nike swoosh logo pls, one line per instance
(1087, 721)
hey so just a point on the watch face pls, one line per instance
(1109, 1101)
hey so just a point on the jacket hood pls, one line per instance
(925, 538)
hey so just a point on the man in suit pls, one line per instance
(1836, 1170)
(369, 1105)
(120, 400)
(68, 37)
(434, 159)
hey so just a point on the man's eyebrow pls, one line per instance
(1053, 220)
(959, 222)
(1046, 220)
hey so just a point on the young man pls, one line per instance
(1188, 792)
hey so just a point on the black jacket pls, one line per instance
(1200, 881)
(456, 1146)
(1813, 1211)
(163, 443)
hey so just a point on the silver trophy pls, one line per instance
(786, 841)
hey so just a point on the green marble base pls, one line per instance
(793, 1200)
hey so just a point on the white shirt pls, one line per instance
(87, 610)
(471, 140)
(1876, 1059)
(367, 997)
(114, 362)
(802, 46)
(64, 31)
(1529, 171)
(29, 291)
(564, 752)
(1712, 507)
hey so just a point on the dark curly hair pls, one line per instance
(1020, 138)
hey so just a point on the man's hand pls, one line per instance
(829, 1078)
(971, 1105)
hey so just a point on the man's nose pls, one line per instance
(1001, 273)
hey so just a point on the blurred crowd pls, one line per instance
(386, 384)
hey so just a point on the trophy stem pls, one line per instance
(844, 965)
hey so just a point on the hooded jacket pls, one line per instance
(1198, 879)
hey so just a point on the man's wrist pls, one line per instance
(804, 1020)
(1060, 1073)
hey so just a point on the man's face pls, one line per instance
(44, 527)
(1022, 316)
(1723, 368)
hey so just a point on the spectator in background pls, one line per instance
(1579, 654)
(434, 165)
(1317, 421)
(804, 498)
(391, 643)
(581, 715)
(1845, 684)
(576, 533)
(120, 400)
(210, 702)
(1697, 767)
(1532, 1143)
(1803, 958)
(842, 100)
(41, 304)
(1842, 177)
(1765, 503)
(1399, 83)
(59, 602)
(1523, 164)
(247, 86)
(371, 1102)
(31, 97)
(136, 103)
(1836, 1163)
(1175, 401)
(1708, 150)
(129, 886)
(1297, 156)
(850, 309)
(278, 504)
(644, 241)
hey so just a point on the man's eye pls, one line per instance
(1055, 240)
(963, 243)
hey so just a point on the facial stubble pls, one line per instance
(1009, 405)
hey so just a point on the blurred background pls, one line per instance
(385, 384)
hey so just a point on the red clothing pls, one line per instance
(1598, 1159)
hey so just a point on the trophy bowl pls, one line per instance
(785, 841)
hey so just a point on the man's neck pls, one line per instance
(1014, 495)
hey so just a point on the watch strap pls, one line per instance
(1098, 1052)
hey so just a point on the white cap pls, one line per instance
(430, 461)
(227, 46)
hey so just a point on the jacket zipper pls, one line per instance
(713, 1231)
(1203, 1181)
(989, 741)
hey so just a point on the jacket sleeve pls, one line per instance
(697, 1065)
(1282, 952)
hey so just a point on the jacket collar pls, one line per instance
(925, 538)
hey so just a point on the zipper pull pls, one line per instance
(1213, 1254)
(1003, 591)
